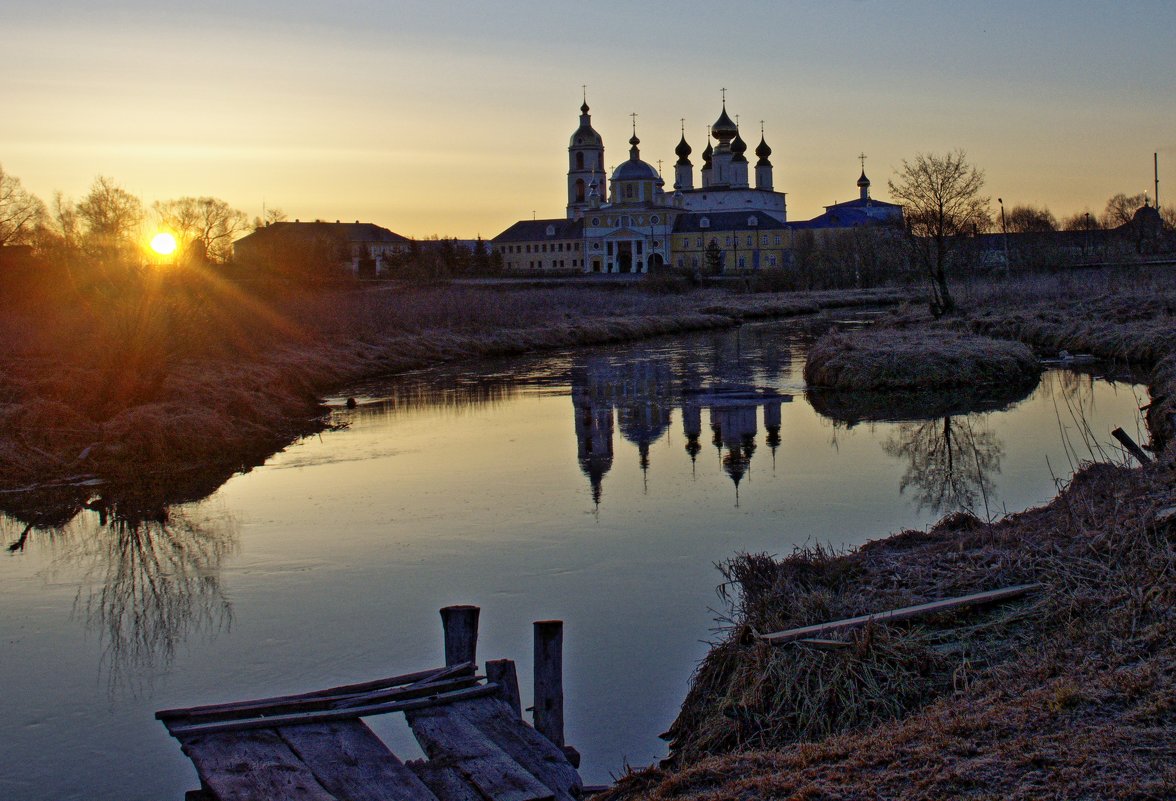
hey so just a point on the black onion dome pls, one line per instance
(863, 181)
(763, 151)
(738, 148)
(584, 107)
(706, 154)
(683, 151)
(724, 127)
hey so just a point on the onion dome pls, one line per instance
(738, 148)
(683, 151)
(584, 107)
(585, 135)
(763, 151)
(724, 128)
(706, 154)
(863, 182)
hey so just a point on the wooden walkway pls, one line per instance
(315, 747)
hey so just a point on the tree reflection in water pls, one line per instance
(149, 586)
(950, 463)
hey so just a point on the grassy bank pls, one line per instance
(1064, 694)
(162, 386)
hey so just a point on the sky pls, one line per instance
(439, 117)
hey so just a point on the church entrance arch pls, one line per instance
(625, 257)
(655, 262)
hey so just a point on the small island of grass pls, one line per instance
(893, 359)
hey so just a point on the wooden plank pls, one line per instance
(178, 728)
(905, 613)
(352, 763)
(252, 766)
(824, 645)
(1128, 443)
(266, 708)
(448, 736)
(444, 781)
(423, 676)
(538, 755)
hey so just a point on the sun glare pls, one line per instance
(164, 244)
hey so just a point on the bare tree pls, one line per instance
(204, 226)
(112, 217)
(1121, 209)
(21, 212)
(942, 201)
(1027, 219)
(1081, 221)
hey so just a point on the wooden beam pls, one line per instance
(434, 674)
(267, 708)
(323, 716)
(905, 613)
(444, 780)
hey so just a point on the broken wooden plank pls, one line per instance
(352, 763)
(538, 755)
(905, 613)
(252, 766)
(444, 781)
(324, 716)
(424, 676)
(448, 736)
(265, 708)
(502, 672)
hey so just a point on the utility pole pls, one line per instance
(1004, 233)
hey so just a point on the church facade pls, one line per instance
(628, 222)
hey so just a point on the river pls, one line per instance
(599, 487)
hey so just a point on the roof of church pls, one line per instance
(537, 230)
(724, 221)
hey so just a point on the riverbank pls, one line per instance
(1065, 693)
(154, 395)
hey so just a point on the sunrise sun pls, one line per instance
(164, 244)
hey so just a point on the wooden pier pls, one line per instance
(315, 746)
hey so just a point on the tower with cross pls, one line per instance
(585, 162)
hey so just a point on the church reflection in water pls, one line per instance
(639, 398)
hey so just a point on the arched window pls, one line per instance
(580, 190)
(579, 161)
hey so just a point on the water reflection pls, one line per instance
(950, 463)
(643, 394)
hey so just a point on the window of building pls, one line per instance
(681, 261)
(704, 222)
(753, 221)
(742, 262)
(750, 240)
(579, 160)
(728, 241)
(528, 248)
(764, 240)
(771, 261)
(551, 230)
(654, 220)
(777, 239)
(698, 244)
(595, 221)
(628, 190)
(693, 261)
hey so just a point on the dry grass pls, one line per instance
(1068, 694)
(912, 359)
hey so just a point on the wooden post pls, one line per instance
(549, 680)
(1128, 443)
(502, 672)
(461, 633)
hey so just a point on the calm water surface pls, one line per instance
(599, 487)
